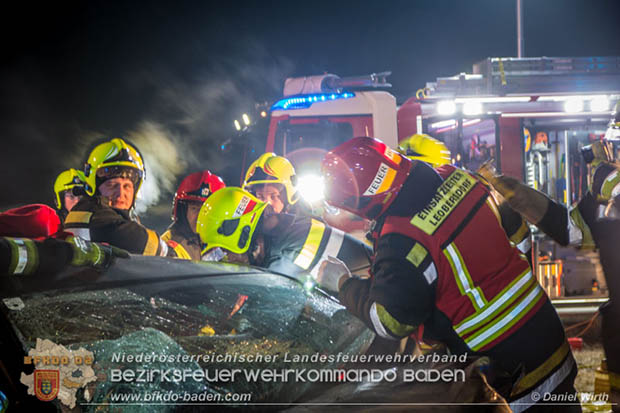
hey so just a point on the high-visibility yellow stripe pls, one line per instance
(502, 300)
(78, 217)
(506, 320)
(166, 236)
(387, 182)
(311, 246)
(519, 236)
(395, 327)
(491, 203)
(182, 252)
(393, 155)
(462, 277)
(151, 243)
(607, 189)
(541, 371)
(417, 254)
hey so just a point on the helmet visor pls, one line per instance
(116, 171)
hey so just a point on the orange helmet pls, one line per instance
(363, 176)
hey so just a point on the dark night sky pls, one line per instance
(173, 75)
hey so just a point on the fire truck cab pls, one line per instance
(318, 113)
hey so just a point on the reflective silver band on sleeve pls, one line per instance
(336, 238)
(163, 248)
(22, 258)
(525, 245)
(575, 235)
(430, 273)
(376, 322)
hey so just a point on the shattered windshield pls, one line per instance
(237, 315)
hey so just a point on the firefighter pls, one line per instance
(241, 224)
(594, 222)
(68, 188)
(113, 175)
(271, 178)
(425, 148)
(443, 260)
(613, 129)
(24, 256)
(189, 197)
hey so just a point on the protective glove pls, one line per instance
(332, 273)
(505, 185)
(528, 202)
(86, 253)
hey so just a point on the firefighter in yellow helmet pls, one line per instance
(425, 148)
(250, 231)
(113, 175)
(68, 187)
(271, 178)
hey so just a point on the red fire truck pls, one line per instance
(529, 115)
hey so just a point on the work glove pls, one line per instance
(528, 202)
(332, 273)
(99, 256)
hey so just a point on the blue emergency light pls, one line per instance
(305, 101)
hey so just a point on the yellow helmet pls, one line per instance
(270, 168)
(425, 148)
(67, 180)
(111, 159)
(228, 219)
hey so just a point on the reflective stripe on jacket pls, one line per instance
(484, 285)
(93, 221)
(299, 245)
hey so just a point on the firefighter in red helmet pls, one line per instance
(443, 260)
(189, 197)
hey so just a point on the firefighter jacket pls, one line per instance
(22, 256)
(442, 259)
(186, 243)
(91, 220)
(576, 227)
(516, 228)
(605, 182)
(299, 245)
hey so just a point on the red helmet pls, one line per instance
(363, 176)
(196, 187)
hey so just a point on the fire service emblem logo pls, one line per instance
(46, 384)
